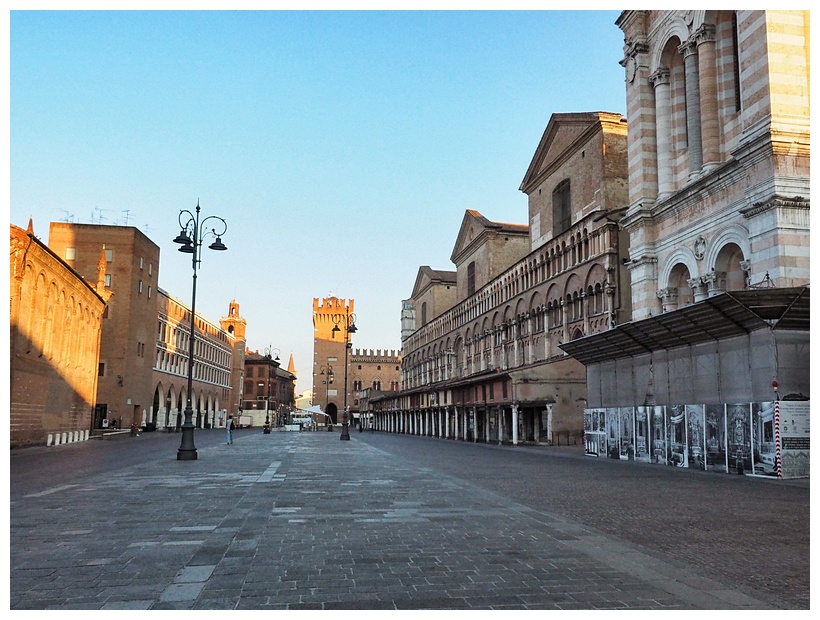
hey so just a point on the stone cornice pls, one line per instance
(643, 261)
(637, 214)
(775, 202)
(717, 179)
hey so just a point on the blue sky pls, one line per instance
(342, 147)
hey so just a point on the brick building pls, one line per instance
(56, 324)
(269, 389)
(236, 326)
(124, 383)
(378, 370)
(144, 347)
(339, 372)
(480, 345)
(214, 361)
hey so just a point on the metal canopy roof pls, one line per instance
(716, 318)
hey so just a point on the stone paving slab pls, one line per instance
(305, 521)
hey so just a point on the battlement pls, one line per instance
(378, 355)
(332, 304)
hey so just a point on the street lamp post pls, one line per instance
(192, 234)
(269, 351)
(327, 372)
(350, 328)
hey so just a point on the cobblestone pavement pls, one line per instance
(747, 530)
(305, 521)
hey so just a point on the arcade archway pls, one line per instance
(333, 412)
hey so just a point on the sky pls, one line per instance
(341, 147)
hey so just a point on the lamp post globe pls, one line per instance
(192, 234)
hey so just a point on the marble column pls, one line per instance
(707, 74)
(515, 424)
(692, 81)
(669, 298)
(663, 109)
(715, 282)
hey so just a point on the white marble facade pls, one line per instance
(719, 146)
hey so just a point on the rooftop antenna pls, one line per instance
(100, 217)
(126, 211)
(69, 217)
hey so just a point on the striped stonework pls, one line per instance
(719, 150)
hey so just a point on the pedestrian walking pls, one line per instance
(229, 428)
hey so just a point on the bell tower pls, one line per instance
(235, 325)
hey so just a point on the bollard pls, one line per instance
(50, 439)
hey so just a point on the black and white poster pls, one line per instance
(695, 437)
(763, 453)
(627, 434)
(613, 432)
(716, 438)
(595, 432)
(676, 452)
(643, 437)
(657, 426)
(739, 437)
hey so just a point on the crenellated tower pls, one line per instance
(331, 316)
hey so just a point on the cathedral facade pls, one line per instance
(717, 352)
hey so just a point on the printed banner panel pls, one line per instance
(737, 438)
(794, 432)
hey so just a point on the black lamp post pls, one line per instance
(268, 353)
(191, 237)
(350, 328)
(327, 372)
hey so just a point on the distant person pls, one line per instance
(229, 429)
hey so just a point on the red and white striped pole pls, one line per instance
(778, 463)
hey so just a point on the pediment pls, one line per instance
(426, 277)
(473, 226)
(475, 229)
(562, 131)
